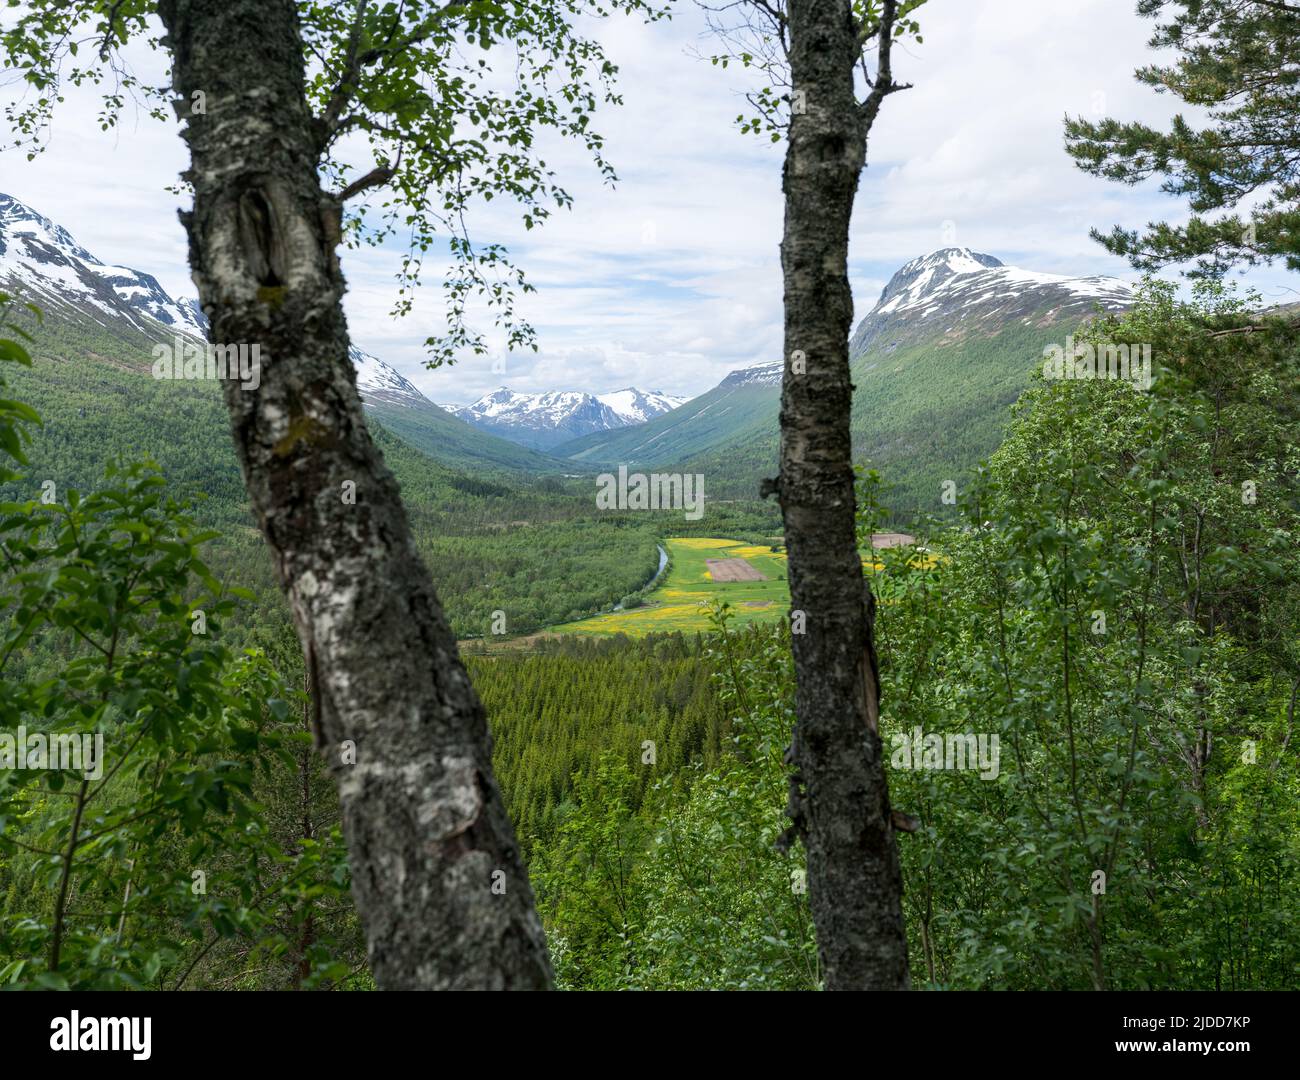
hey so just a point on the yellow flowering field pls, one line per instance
(681, 600)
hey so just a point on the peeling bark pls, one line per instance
(436, 871)
(839, 797)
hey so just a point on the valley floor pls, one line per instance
(697, 570)
(749, 577)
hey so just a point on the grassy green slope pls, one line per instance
(454, 442)
(924, 411)
(932, 410)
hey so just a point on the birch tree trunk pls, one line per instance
(436, 871)
(839, 795)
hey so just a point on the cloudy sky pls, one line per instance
(671, 278)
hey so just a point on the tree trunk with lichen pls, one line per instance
(436, 872)
(839, 795)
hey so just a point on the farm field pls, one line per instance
(680, 603)
(750, 577)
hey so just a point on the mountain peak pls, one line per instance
(379, 382)
(961, 260)
(924, 274)
(768, 373)
(19, 219)
(960, 287)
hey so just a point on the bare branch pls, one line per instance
(376, 177)
(106, 45)
(346, 87)
(884, 84)
(1253, 329)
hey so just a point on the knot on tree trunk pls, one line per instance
(259, 238)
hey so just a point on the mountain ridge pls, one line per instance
(62, 275)
(126, 313)
(958, 283)
(543, 420)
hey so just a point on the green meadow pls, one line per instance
(681, 601)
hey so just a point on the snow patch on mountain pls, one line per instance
(769, 374)
(638, 406)
(556, 415)
(42, 263)
(957, 290)
(378, 382)
(959, 276)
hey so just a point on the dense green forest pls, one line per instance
(1122, 620)
(1118, 608)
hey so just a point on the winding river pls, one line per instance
(663, 565)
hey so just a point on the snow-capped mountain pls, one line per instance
(547, 419)
(768, 374)
(42, 263)
(399, 406)
(379, 383)
(119, 314)
(638, 406)
(957, 290)
(953, 318)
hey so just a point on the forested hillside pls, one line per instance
(538, 552)
(937, 362)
